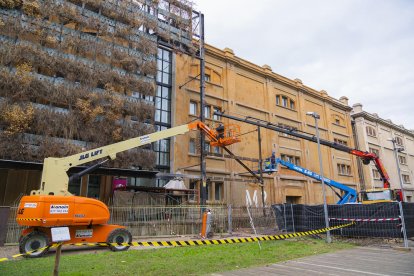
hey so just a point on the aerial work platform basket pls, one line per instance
(226, 135)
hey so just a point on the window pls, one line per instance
(217, 150)
(207, 111)
(374, 151)
(344, 169)
(406, 179)
(399, 141)
(285, 102)
(74, 186)
(207, 77)
(192, 146)
(162, 103)
(207, 147)
(338, 120)
(376, 174)
(341, 142)
(162, 148)
(371, 131)
(216, 117)
(193, 108)
(193, 186)
(291, 159)
(94, 185)
(402, 159)
(218, 192)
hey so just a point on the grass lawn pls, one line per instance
(195, 260)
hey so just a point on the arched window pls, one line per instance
(371, 131)
(399, 141)
(285, 101)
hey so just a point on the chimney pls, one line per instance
(356, 108)
(344, 100)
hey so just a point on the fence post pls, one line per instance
(284, 215)
(293, 218)
(403, 224)
(229, 218)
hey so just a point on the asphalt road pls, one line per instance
(356, 261)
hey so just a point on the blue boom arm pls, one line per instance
(350, 195)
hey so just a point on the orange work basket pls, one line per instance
(226, 135)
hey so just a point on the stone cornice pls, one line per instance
(381, 121)
(265, 71)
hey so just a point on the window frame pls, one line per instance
(195, 105)
(192, 144)
(207, 111)
(402, 159)
(344, 169)
(371, 131)
(285, 102)
(399, 141)
(406, 178)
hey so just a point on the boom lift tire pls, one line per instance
(119, 235)
(33, 241)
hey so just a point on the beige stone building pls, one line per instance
(241, 89)
(374, 134)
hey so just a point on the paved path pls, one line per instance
(356, 261)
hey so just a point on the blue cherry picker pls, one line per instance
(349, 195)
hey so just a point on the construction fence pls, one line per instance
(382, 220)
(145, 221)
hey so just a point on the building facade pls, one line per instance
(374, 134)
(240, 88)
(79, 74)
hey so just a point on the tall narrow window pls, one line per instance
(207, 111)
(284, 101)
(193, 108)
(399, 141)
(376, 174)
(192, 146)
(218, 193)
(371, 131)
(216, 117)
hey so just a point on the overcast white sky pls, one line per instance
(362, 49)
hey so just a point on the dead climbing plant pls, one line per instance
(23, 73)
(16, 118)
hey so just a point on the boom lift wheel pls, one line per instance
(34, 241)
(119, 235)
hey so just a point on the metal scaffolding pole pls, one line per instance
(203, 186)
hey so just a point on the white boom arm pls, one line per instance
(55, 179)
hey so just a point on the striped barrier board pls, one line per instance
(365, 219)
(191, 242)
(29, 219)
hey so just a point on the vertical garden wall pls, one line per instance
(78, 74)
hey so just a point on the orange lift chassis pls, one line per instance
(53, 206)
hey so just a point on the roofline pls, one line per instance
(266, 72)
(376, 119)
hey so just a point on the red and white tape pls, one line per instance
(365, 220)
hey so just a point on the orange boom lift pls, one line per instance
(53, 206)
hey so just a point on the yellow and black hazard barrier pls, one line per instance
(29, 219)
(192, 242)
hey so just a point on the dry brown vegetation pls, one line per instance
(54, 61)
